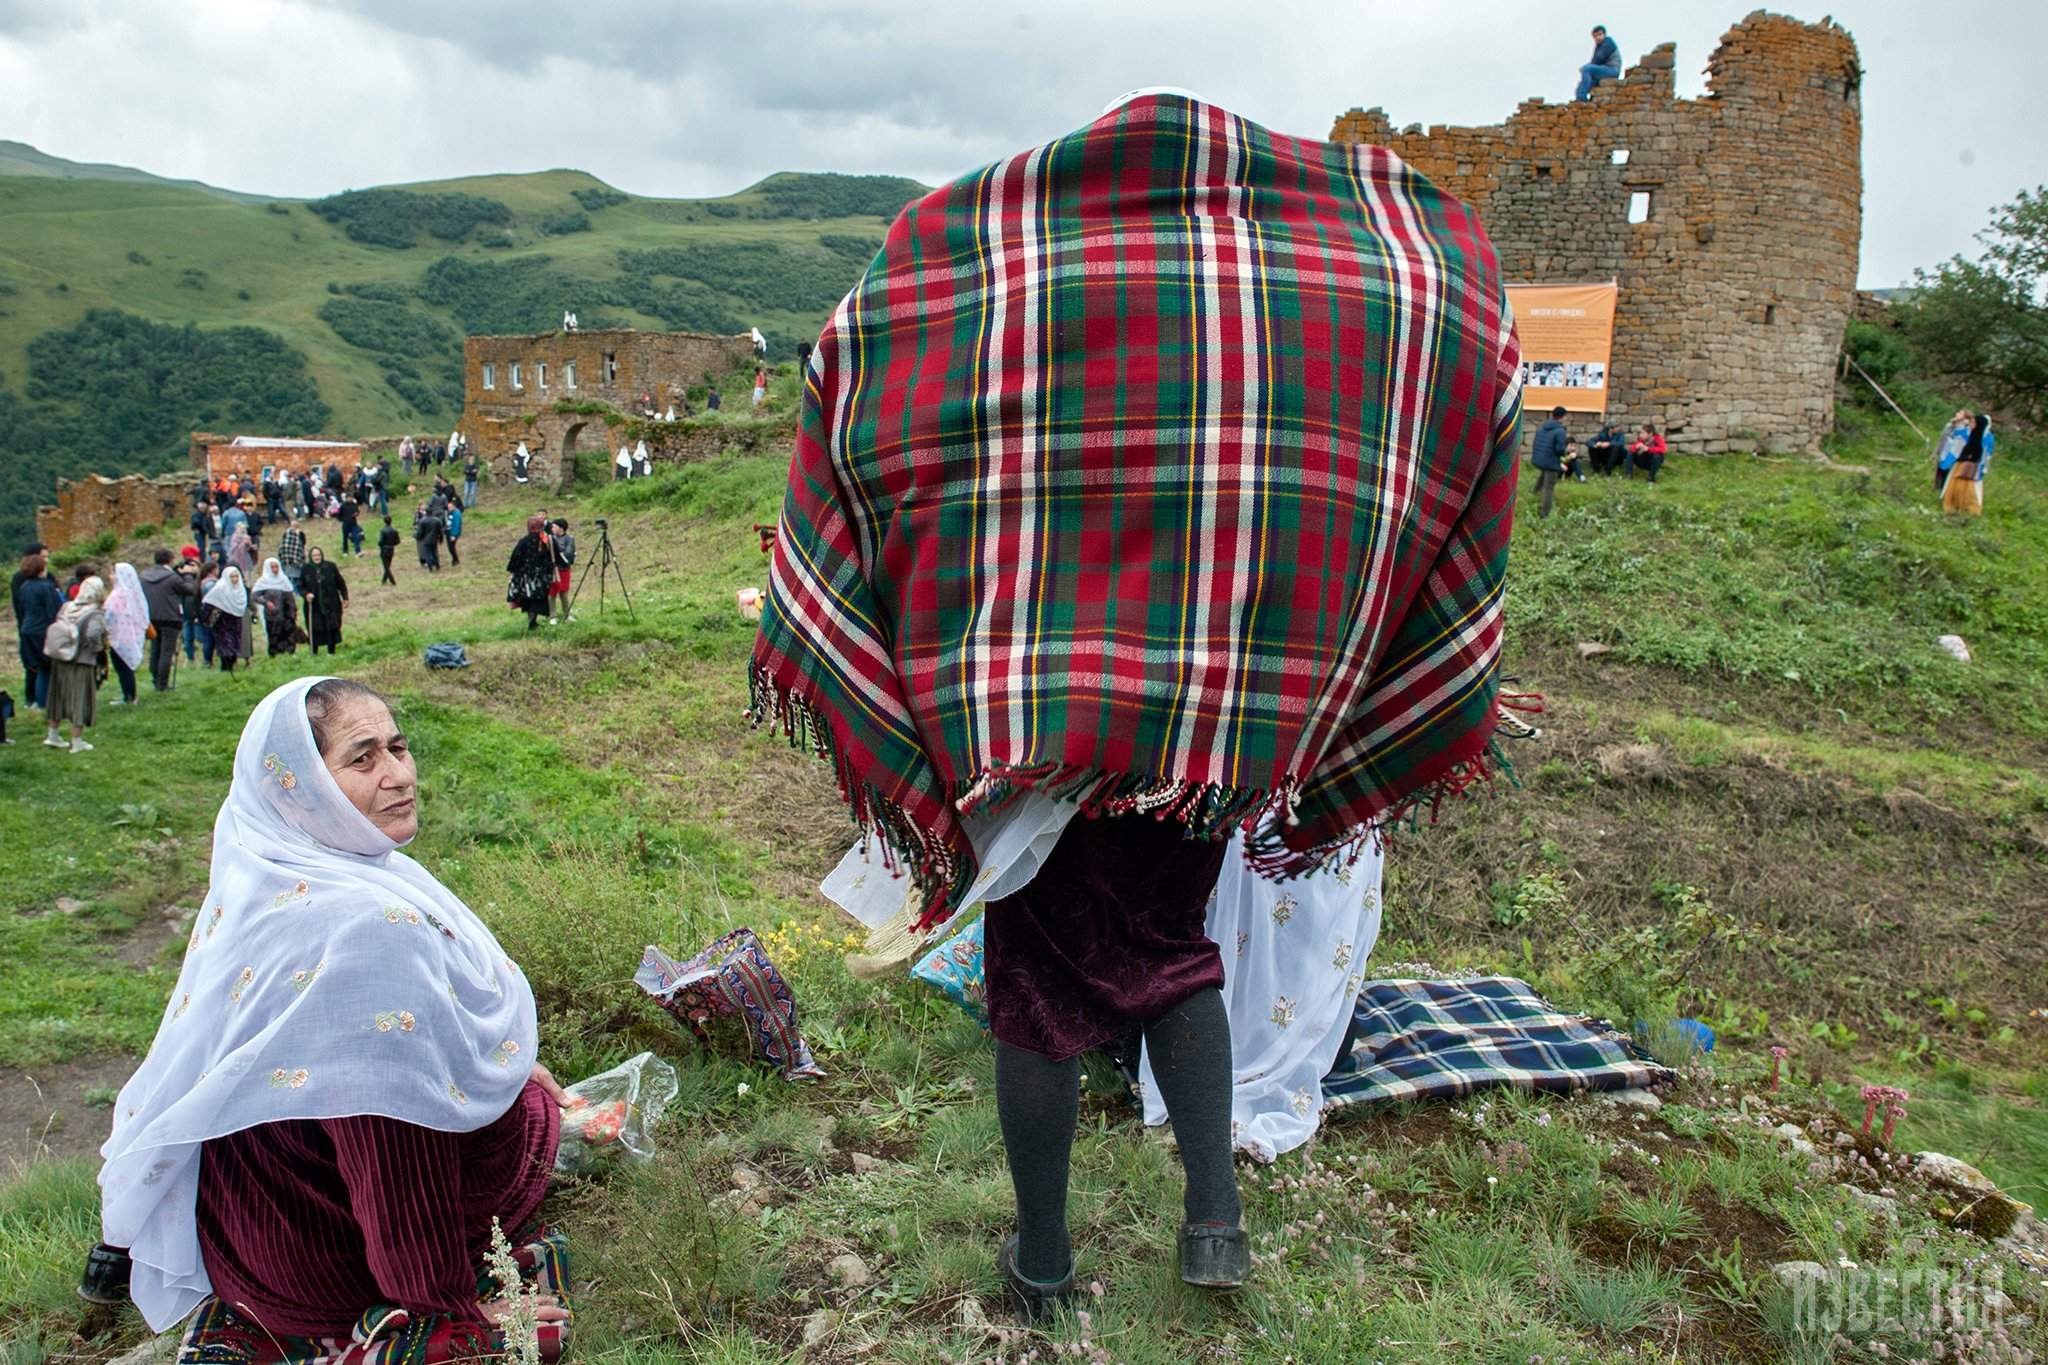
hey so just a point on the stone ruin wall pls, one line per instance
(90, 505)
(660, 364)
(1735, 293)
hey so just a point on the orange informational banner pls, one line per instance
(1567, 333)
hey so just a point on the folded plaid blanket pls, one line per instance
(1416, 1040)
(1165, 467)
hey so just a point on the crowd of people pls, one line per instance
(76, 635)
(327, 492)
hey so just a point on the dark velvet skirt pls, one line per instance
(1107, 937)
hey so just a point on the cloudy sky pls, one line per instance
(680, 98)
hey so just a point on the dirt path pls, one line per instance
(44, 1113)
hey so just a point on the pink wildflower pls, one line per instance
(1892, 1115)
(1778, 1055)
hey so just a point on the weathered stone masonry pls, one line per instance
(511, 384)
(94, 503)
(1735, 293)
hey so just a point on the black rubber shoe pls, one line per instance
(1213, 1256)
(106, 1276)
(1033, 1299)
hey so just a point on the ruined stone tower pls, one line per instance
(1736, 287)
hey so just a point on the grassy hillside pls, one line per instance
(777, 256)
(1772, 804)
(20, 159)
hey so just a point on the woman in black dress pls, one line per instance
(326, 593)
(277, 604)
(532, 570)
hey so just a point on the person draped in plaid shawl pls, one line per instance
(1167, 469)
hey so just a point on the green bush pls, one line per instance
(521, 295)
(117, 392)
(562, 224)
(395, 218)
(857, 250)
(595, 199)
(137, 258)
(382, 293)
(375, 325)
(831, 195)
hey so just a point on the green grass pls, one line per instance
(1826, 588)
(592, 791)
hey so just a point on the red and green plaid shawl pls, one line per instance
(1166, 467)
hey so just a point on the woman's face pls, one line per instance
(315, 555)
(371, 764)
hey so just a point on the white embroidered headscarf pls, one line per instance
(127, 615)
(328, 975)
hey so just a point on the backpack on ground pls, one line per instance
(447, 654)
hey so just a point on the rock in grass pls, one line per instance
(1794, 1274)
(1795, 1135)
(1986, 1210)
(1876, 1205)
(849, 1270)
(154, 1351)
(1631, 1099)
(973, 1317)
(1593, 649)
(746, 1178)
(818, 1326)
(863, 1164)
(1949, 1171)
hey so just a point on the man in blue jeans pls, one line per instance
(1605, 66)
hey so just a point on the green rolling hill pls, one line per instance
(134, 309)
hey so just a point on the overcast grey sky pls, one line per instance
(673, 97)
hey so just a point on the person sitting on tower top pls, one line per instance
(1605, 66)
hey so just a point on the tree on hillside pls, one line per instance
(1985, 321)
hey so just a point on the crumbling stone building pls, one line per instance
(93, 503)
(1731, 223)
(512, 387)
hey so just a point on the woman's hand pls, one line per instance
(549, 1309)
(545, 1079)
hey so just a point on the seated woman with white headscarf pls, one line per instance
(343, 1094)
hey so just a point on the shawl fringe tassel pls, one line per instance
(1210, 810)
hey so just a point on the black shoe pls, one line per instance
(106, 1276)
(1213, 1256)
(1033, 1299)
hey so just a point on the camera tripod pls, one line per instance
(605, 560)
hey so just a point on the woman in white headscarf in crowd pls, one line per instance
(127, 627)
(225, 610)
(343, 1093)
(81, 632)
(277, 602)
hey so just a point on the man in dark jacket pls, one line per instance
(1608, 450)
(1548, 457)
(36, 599)
(387, 545)
(163, 585)
(1605, 66)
